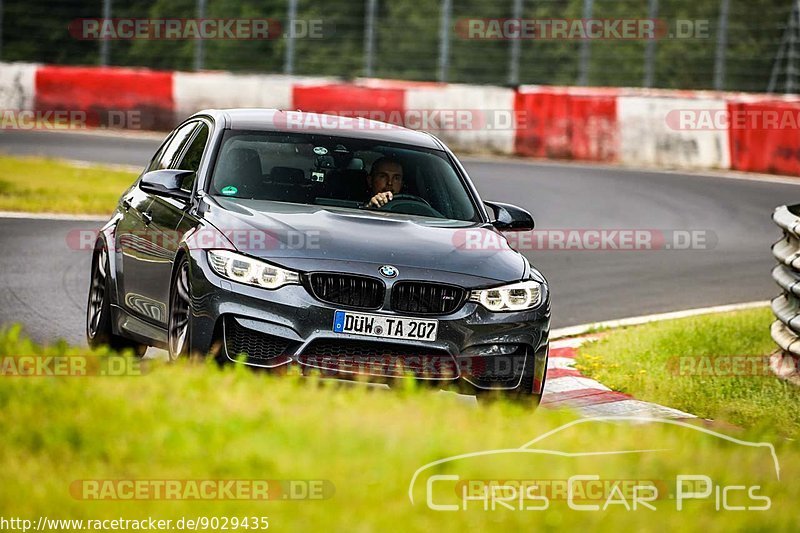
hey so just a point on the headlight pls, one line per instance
(515, 297)
(238, 267)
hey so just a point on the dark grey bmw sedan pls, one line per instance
(343, 246)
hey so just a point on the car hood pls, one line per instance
(312, 237)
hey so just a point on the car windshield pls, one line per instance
(339, 172)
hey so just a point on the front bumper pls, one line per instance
(290, 326)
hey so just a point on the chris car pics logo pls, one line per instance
(598, 480)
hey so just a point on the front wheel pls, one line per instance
(98, 309)
(522, 394)
(180, 305)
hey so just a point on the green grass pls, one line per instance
(195, 421)
(51, 186)
(645, 361)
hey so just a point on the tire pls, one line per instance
(521, 394)
(99, 331)
(179, 325)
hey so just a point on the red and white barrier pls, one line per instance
(17, 86)
(477, 119)
(761, 144)
(672, 132)
(126, 97)
(221, 90)
(567, 123)
(381, 103)
(651, 128)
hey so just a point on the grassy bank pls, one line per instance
(713, 366)
(40, 185)
(196, 422)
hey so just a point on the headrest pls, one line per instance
(242, 167)
(287, 175)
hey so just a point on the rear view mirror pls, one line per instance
(167, 183)
(507, 217)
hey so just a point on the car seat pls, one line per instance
(241, 167)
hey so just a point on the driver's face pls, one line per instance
(388, 177)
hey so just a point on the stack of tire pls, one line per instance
(785, 362)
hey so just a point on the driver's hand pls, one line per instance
(380, 199)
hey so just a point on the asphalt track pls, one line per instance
(44, 282)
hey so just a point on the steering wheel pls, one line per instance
(411, 204)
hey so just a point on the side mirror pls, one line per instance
(166, 182)
(509, 217)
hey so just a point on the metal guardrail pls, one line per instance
(785, 331)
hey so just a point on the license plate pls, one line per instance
(388, 327)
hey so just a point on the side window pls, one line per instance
(173, 148)
(153, 165)
(192, 156)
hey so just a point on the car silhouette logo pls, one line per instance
(388, 271)
(536, 447)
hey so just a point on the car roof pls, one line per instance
(317, 123)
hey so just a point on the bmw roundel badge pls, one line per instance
(388, 271)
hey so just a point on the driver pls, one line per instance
(384, 181)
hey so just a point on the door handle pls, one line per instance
(147, 217)
(126, 203)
